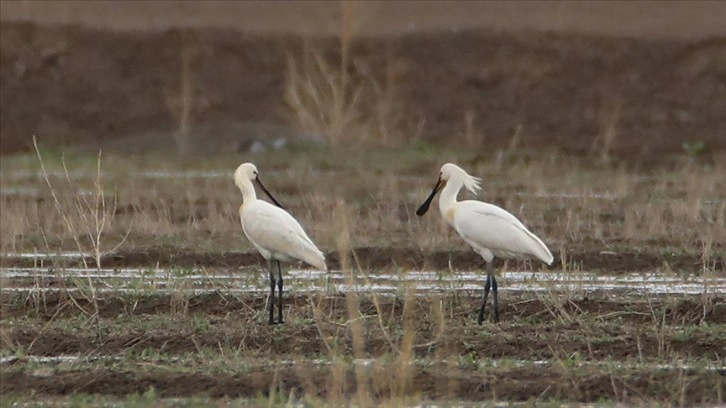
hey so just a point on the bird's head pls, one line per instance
(245, 172)
(450, 174)
(245, 175)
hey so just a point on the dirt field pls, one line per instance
(177, 312)
(599, 124)
(675, 19)
(633, 98)
(607, 351)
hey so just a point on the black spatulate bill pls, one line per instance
(425, 206)
(262, 186)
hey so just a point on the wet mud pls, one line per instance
(579, 345)
(373, 258)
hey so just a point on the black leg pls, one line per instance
(491, 283)
(279, 292)
(496, 303)
(271, 302)
(487, 286)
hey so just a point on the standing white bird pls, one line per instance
(274, 232)
(490, 230)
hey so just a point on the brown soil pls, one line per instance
(569, 74)
(603, 329)
(518, 314)
(375, 258)
(692, 19)
(71, 85)
(519, 385)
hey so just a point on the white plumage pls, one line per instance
(490, 230)
(493, 232)
(273, 232)
(277, 235)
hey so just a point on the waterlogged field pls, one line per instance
(40, 281)
(137, 287)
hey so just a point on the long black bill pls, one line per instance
(262, 186)
(425, 206)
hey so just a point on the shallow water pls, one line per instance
(254, 280)
(483, 363)
(45, 255)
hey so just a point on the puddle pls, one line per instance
(254, 280)
(44, 255)
(151, 174)
(141, 174)
(598, 196)
(22, 191)
(46, 359)
(369, 362)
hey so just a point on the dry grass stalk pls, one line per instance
(669, 210)
(342, 101)
(323, 100)
(363, 396)
(609, 118)
(181, 105)
(84, 216)
(179, 299)
(404, 374)
(89, 217)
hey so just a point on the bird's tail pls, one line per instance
(540, 250)
(321, 264)
(543, 253)
(317, 260)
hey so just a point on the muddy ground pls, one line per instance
(628, 335)
(563, 346)
(585, 258)
(622, 89)
(636, 99)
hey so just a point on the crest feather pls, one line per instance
(472, 184)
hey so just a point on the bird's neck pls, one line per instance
(248, 191)
(448, 198)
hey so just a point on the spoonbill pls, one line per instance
(273, 232)
(490, 230)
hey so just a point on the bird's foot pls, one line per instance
(480, 318)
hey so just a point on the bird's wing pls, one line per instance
(486, 226)
(274, 229)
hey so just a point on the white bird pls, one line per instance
(490, 230)
(274, 232)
